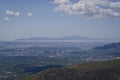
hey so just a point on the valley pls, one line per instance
(19, 59)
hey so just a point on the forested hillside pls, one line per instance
(102, 70)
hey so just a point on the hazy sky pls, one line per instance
(56, 18)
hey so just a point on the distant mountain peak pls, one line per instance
(78, 38)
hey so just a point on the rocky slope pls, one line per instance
(103, 70)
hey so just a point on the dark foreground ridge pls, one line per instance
(102, 70)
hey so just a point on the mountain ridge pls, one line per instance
(60, 38)
(102, 70)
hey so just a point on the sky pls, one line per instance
(57, 18)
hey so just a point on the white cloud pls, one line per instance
(30, 14)
(12, 13)
(9, 12)
(6, 18)
(62, 1)
(115, 4)
(89, 8)
(17, 13)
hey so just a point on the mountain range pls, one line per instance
(61, 38)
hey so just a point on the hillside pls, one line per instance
(104, 70)
(109, 51)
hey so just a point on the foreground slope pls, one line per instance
(104, 70)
